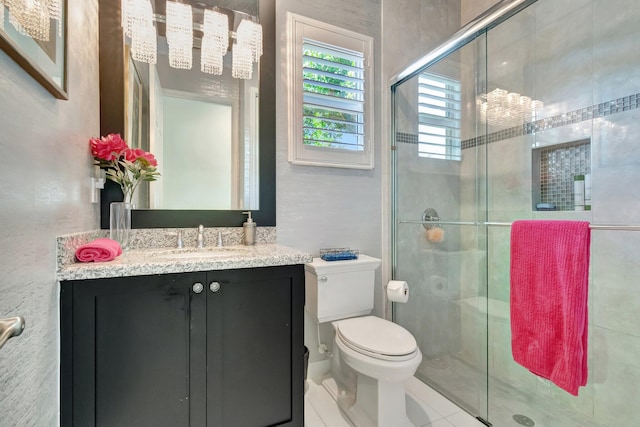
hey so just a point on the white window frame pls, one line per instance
(300, 28)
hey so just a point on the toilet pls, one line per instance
(383, 355)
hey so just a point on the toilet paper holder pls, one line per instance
(397, 291)
(431, 218)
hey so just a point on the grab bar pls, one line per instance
(10, 327)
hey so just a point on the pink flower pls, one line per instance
(125, 166)
(132, 155)
(108, 147)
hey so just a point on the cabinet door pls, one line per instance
(255, 347)
(136, 343)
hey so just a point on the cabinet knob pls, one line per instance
(214, 286)
(323, 279)
(198, 287)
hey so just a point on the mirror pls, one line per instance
(211, 186)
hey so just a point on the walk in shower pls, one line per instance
(495, 126)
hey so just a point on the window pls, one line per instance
(439, 117)
(330, 100)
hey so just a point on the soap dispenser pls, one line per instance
(249, 230)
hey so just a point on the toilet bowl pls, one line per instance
(384, 355)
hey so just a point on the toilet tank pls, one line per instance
(340, 289)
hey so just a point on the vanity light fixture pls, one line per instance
(215, 42)
(180, 35)
(32, 17)
(138, 24)
(247, 49)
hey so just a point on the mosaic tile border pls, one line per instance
(607, 108)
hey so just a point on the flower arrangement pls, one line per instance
(125, 166)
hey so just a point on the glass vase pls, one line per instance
(120, 222)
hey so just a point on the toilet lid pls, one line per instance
(375, 335)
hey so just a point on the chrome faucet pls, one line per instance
(200, 239)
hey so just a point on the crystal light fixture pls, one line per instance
(30, 17)
(256, 41)
(247, 49)
(507, 109)
(215, 42)
(126, 8)
(241, 64)
(180, 35)
(55, 12)
(144, 43)
(137, 23)
(250, 35)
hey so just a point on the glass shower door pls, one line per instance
(439, 179)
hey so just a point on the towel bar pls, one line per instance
(508, 224)
(10, 327)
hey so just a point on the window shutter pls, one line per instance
(439, 104)
(333, 97)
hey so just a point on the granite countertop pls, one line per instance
(147, 261)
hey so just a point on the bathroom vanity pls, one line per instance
(190, 340)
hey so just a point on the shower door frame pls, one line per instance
(491, 18)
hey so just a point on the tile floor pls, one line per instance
(434, 410)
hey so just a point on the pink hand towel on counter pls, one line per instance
(102, 249)
(549, 289)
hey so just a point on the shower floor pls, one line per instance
(465, 383)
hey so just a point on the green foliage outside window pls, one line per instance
(320, 129)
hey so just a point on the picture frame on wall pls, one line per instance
(44, 60)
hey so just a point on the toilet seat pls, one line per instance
(377, 338)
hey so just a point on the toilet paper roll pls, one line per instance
(398, 291)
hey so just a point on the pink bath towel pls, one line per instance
(101, 249)
(549, 287)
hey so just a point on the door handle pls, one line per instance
(10, 327)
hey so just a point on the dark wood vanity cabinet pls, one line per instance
(219, 348)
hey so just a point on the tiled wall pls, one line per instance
(44, 192)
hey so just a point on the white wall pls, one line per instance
(44, 192)
(319, 207)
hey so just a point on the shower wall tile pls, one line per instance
(511, 52)
(616, 375)
(615, 291)
(563, 70)
(615, 169)
(470, 9)
(549, 13)
(509, 164)
(616, 50)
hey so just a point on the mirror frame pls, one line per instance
(112, 120)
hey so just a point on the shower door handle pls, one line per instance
(10, 327)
